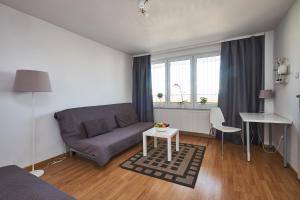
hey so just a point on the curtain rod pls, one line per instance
(197, 45)
(144, 54)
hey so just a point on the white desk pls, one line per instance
(265, 118)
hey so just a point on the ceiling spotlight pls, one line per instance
(142, 7)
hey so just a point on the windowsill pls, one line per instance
(176, 106)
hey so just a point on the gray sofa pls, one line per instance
(103, 147)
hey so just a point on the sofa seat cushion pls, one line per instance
(104, 146)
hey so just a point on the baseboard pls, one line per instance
(196, 134)
(288, 165)
(272, 147)
(268, 146)
(44, 163)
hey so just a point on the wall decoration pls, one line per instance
(281, 70)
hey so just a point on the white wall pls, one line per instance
(82, 73)
(287, 44)
(269, 76)
(269, 68)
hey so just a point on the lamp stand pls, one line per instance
(37, 173)
(261, 108)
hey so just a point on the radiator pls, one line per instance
(190, 120)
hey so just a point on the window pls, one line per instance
(208, 69)
(186, 79)
(158, 73)
(180, 81)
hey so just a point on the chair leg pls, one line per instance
(242, 137)
(68, 150)
(243, 141)
(222, 142)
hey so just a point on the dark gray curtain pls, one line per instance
(142, 88)
(241, 79)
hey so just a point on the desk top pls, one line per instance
(163, 134)
(271, 118)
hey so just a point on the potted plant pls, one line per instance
(181, 94)
(160, 96)
(203, 100)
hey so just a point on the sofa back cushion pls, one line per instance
(126, 119)
(70, 120)
(96, 127)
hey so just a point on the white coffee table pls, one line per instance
(164, 134)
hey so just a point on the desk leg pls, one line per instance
(285, 146)
(248, 141)
(144, 145)
(243, 136)
(270, 135)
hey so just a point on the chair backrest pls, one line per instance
(216, 117)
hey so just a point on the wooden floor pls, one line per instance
(228, 177)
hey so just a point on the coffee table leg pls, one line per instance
(155, 142)
(177, 141)
(145, 145)
(169, 149)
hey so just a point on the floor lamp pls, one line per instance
(32, 81)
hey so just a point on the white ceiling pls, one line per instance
(171, 24)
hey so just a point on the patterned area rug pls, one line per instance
(182, 170)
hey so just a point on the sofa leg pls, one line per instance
(68, 150)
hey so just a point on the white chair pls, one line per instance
(216, 123)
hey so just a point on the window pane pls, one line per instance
(158, 81)
(180, 81)
(208, 73)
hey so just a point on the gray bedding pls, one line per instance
(17, 184)
(103, 147)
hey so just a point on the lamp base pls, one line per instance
(37, 173)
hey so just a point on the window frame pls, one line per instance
(177, 59)
(156, 104)
(204, 55)
(193, 83)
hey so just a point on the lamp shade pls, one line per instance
(265, 94)
(32, 81)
